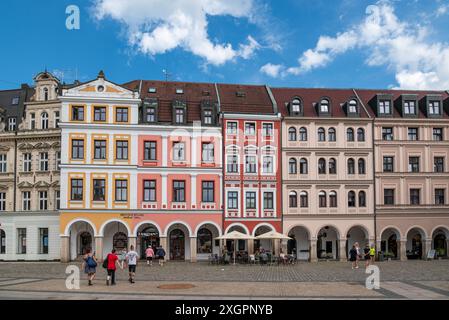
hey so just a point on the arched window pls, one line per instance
(322, 199)
(302, 134)
(350, 134)
(292, 199)
(362, 199)
(204, 241)
(291, 134)
(2, 241)
(295, 106)
(321, 134)
(352, 106)
(351, 166)
(303, 167)
(332, 166)
(304, 199)
(45, 94)
(351, 199)
(120, 241)
(332, 135)
(333, 199)
(44, 120)
(360, 134)
(324, 106)
(321, 166)
(361, 165)
(292, 166)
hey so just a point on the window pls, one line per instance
(2, 242)
(351, 166)
(333, 199)
(350, 135)
(150, 114)
(204, 241)
(32, 121)
(251, 164)
(321, 166)
(77, 113)
(291, 134)
(100, 149)
(2, 201)
(303, 199)
(76, 193)
(43, 240)
(437, 134)
(438, 164)
(21, 241)
(352, 106)
(150, 150)
(389, 196)
(99, 113)
(121, 190)
(207, 191)
(45, 94)
(3, 163)
(324, 106)
(388, 164)
(268, 200)
(360, 134)
(351, 199)
(303, 166)
(250, 128)
(233, 200)
(292, 199)
(321, 135)
(26, 200)
(43, 200)
(179, 115)
(121, 149)
(292, 166)
(232, 165)
(56, 119)
(387, 134)
(121, 115)
(267, 164)
(27, 162)
(250, 200)
(15, 101)
(99, 189)
(267, 129)
(332, 135)
(43, 161)
(152, 90)
(207, 117)
(302, 134)
(322, 199)
(361, 165)
(434, 108)
(77, 149)
(413, 164)
(58, 199)
(179, 151)
(332, 166)
(208, 152)
(414, 196)
(149, 190)
(409, 107)
(179, 91)
(231, 127)
(296, 107)
(413, 134)
(44, 120)
(439, 196)
(12, 124)
(384, 107)
(179, 191)
(362, 199)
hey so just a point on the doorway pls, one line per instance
(177, 245)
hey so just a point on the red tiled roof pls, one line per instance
(256, 99)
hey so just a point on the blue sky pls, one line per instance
(320, 43)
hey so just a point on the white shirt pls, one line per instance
(132, 258)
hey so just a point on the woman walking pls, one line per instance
(353, 257)
(112, 263)
(90, 265)
(160, 252)
(149, 253)
(366, 252)
(359, 254)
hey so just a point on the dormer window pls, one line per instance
(240, 94)
(179, 91)
(324, 106)
(45, 94)
(207, 117)
(434, 108)
(296, 107)
(409, 107)
(152, 90)
(179, 115)
(150, 110)
(352, 108)
(179, 112)
(15, 101)
(384, 107)
(207, 112)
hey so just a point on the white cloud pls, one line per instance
(387, 41)
(272, 70)
(158, 26)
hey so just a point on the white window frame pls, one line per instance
(3, 163)
(26, 201)
(43, 161)
(232, 131)
(179, 151)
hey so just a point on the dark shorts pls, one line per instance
(161, 258)
(150, 258)
(353, 259)
(132, 268)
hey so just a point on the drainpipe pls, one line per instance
(15, 172)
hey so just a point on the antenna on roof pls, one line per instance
(167, 74)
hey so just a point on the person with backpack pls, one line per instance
(149, 253)
(160, 252)
(131, 260)
(90, 265)
(110, 264)
(353, 257)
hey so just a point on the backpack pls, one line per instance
(91, 262)
(105, 262)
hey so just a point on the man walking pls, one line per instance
(131, 259)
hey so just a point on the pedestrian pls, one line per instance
(111, 263)
(149, 253)
(372, 253)
(359, 254)
(366, 252)
(131, 260)
(353, 257)
(160, 252)
(122, 257)
(90, 265)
